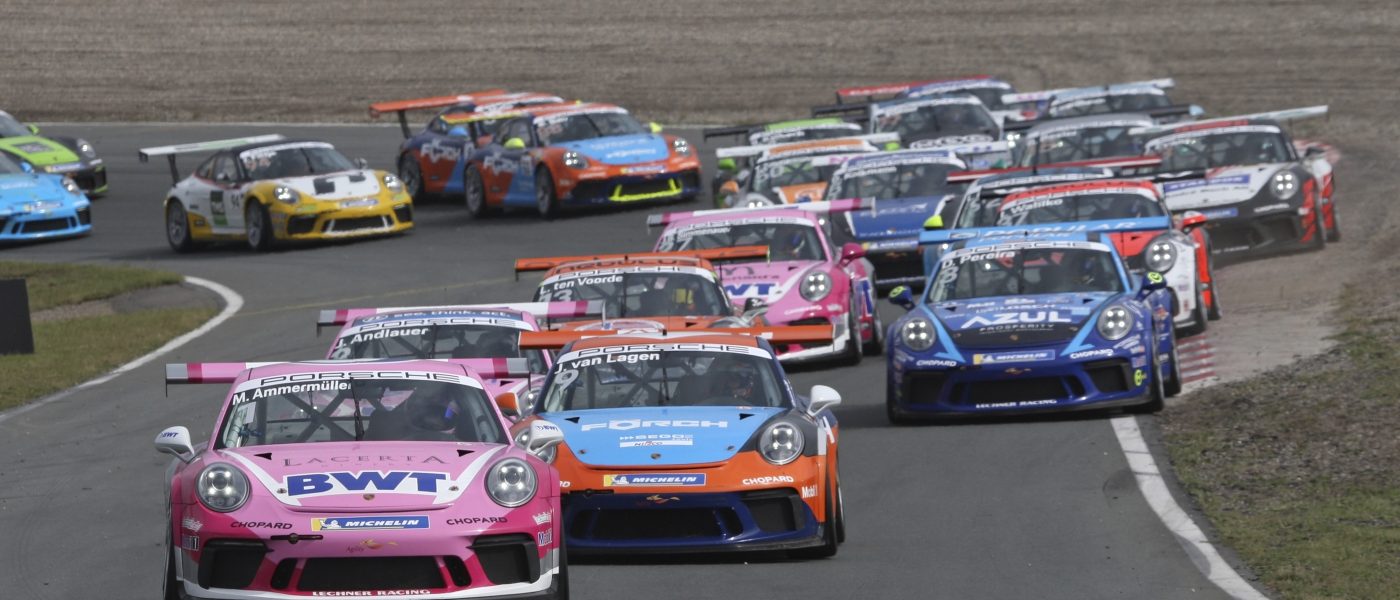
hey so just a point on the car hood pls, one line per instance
(664, 436)
(1229, 185)
(335, 186)
(893, 219)
(365, 475)
(1018, 320)
(767, 280)
(25, 188)
(799, 193)
(40, 152)
(622, 149)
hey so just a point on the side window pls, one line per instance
(437, 125)
(225, 170)
(518, 128)
(206, 169)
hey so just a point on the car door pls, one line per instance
(226, 194)
(512, 166)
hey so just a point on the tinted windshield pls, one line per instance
(937, 120)
(9, 166)
(791, 171)
(785, 241)
(1011, 271)
(634, 376)
(1079, 207)
(586, 126)
(1083, 144)
(433, 340)
(646, 294)
(9, 127)
(1221, 150)
(280, 162)
(1109, 104)
(894, 181)
(371, 409)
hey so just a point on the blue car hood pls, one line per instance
(892, 219)
(1011, 321)
(680, 435)
(23, 188)
(622, 149)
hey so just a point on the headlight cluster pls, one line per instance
(917, 334)
(1285, 185)
(1160, 255)
(781, 443)
(392, 183)
(816, 285)
(71, 186)
(1012, 137)
(1115, 322)
(574, 160)
(511, 483)
(286, 194)
(85, 148)
(222, 488)
(681, 147)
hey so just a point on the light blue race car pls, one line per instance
(36, 206)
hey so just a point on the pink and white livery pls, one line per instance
(805, 281)
(360, 478)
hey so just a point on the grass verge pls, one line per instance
(57, 284)
(1299, 469)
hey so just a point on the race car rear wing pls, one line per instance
(1157, 113)
(788, 334)
(540, 310)
(710, 254)
(403, 106)
(890, 89)
(747, 151)
(1014, 232)
(1164, 83)
(715, 132)
(1127, 166)
(228, 372)
(823, 207)
(170, 152)
(1291, 114)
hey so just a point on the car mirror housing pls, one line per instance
(851, 251)
(175, 441)
(934, 223)
(902, 296)
(510, 405)
(822, 398)
(34, 129)
(655, 127)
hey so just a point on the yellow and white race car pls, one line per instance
(266, 189)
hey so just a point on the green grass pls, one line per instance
(71, 351)
(57, 284)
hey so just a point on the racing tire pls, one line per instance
(1156, 395)
(1319, 234)
(876, 345)
(474, 193)
(1171, 388)
(561, 585)
(892, 409)
(177, 227)
(1200, 318)
(545, 200)
(411, 174)
(1335, 233)
(1213, 312)
(852, 353)
(258, 225)
(169, 587)
(840, 512)
(830, 543)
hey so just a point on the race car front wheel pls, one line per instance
(412, 177)
(258, 225)
(561, 581)
(545, 199)
(829, 536)
(170, 587)
(177, 227)
(475, 192)
(1157, 394)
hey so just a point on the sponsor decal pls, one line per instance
(742, 289)
(542, 518)
(368, 523)
(259, 525)
(435, 151)
(1139, 362)
(566, 484)
(476, 520)
(630, 424)
(769, 480)
(373, 593)
(348, 482)
(668, 347)
(615, 358)
(1015, 404)
(190, 542)
(1091, 353)
(936, 362)
(643, 169)
(809, 491)
(655, 439)
(545, 537)
(363, 458)
(1271, 207)
(1006, 357)
(368, 545)
(1015, 320)
(359, 202)
(192, 524)
(655, 480)
(1139, 376)
(659, 499)
(168, 434)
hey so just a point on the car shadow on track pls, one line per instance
(725, 558)
(872, 416)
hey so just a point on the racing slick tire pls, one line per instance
(561, 581)
(1319, 241)
(169, 586)
(852, 353)
(545, 200)
(474, 193)
(177, 227)
(876, 345)
(1335, 233)
(258, 225)
(892, 410)
(1156, 395)
(411, 174)
(830, 537)
(1172, 386)
(1200, 317)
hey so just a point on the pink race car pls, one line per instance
(360, 478)
(805, 281)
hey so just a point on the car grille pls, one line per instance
(301, 224)
(84, 217)
(3, 222)
(512, 558)
(355, 224)
(230, 563)
(1017, 390)
(923, 387)
(1109, 376)
(655, 523)
(647, 188)
(812, 321)
(356, 574)
(404, 214)
(90, 180)
(776, 511)
(44, 225)
(892, 268)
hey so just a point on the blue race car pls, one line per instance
(1023, 322)
(35, 206)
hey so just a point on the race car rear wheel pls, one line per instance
(177, 227)
(258, 225)
(829, 537)
(412, 177)
(474, 191)
(545, 200)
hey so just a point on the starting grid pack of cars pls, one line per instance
(1049, 248)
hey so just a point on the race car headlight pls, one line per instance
(222, 488)
(781, 443)
(1285, 185)
(681, 147)
(392, 183)
(1115, 322)
(1013, 137)
(71, 186)
(522, 439)
(1160, 255)
(511, 483)
(815, 286)
(574, 160)
(917, 334)
(85, 148)
(286, 194)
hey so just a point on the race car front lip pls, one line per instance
(1093, 398)
(810, 534)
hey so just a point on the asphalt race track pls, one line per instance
(1044, 509)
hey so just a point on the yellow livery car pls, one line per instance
(268, 189)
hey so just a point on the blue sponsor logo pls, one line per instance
(742, 289)
(368, 523)
(1176, 186)
(345, 482)
(654, 480)
(1220, 213)
(1012, 357)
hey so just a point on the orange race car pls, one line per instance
(793, 172)
(689, 441)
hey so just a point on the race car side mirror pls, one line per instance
(1195, 110)
(655, 127)
(729, 187)
(34, 129)
(851, 251)
(901, 296)
(543, 436)
(510, 406)
(175, 441)
(1151, 282)
(891, 146)
(727, 164)
(361, 163)
(1192, 219)
(514, 144)
(933, 223)
(822, 398)
(28, 168)
(1314, 152)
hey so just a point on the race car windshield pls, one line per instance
(1223, 150)
(646, 294)
(1023, 271)
(8, 166)
(1080, 207)
(293, 162)
(894, 181)
(1109, 104)
(626, 379)
(438, 341)
(9, 127)
(340, 410)
(785, 241)
(1084, 144)
(792, 171)
(587, 126)
(937, 120)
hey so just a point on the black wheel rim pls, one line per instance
(175, 224)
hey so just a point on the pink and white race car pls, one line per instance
(804, 281)
(360, 478)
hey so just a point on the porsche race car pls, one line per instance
(783, 132)
(985, 88)
(36, 206)
(75, 158)
(930, 122)
(791, 173)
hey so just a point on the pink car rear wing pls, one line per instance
(540, 310)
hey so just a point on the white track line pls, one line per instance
(232, 303)
(1192, 539)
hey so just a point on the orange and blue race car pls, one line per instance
(791, 173)
(555, 156)
(689, 442)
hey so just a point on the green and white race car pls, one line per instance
(75, 158)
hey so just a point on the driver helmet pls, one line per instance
(734, 378)
(431, 409)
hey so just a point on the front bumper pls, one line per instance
(685, 522)
(90, 176)
(626, 188)
(1234, 232)
(64, 222)
(344, 223)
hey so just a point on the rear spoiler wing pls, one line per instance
(1291, 114)
(540, 310)
(944, 236)
(714, 132)
(227, 372)
(823, 207)
(747, 151)
(856, 112)
(890, 89)
(1127, 166)
(1160, 112)
(710, 254)
(1164, 83)
(170, 152)
(790, 334)
(403, 106)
